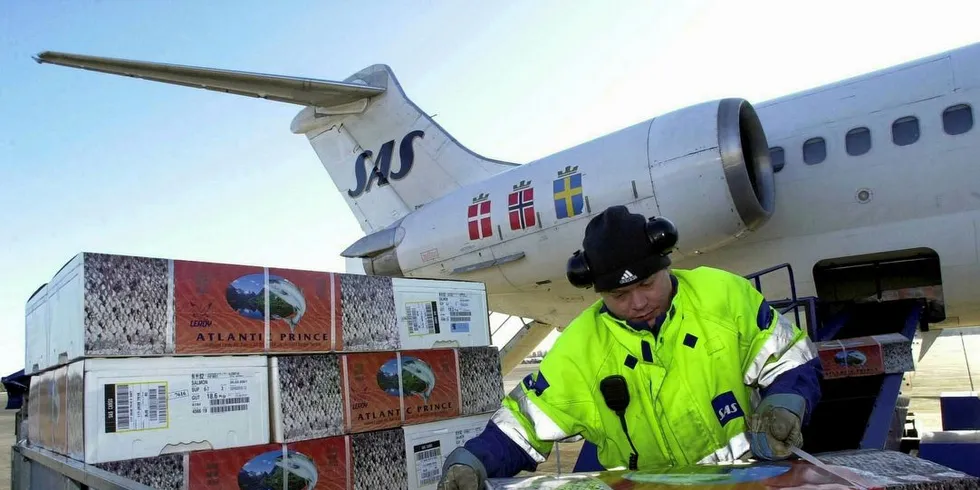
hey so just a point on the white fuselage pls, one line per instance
(892, 197)
(896, 186)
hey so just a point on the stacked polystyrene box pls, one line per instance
(230, 371)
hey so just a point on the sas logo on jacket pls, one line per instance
(726, 407)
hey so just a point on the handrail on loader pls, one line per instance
(793, 302)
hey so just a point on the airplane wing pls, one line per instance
(292, 90)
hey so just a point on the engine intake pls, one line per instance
(711, 171)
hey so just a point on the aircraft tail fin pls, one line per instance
(385, 155)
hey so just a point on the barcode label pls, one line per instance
(229, 401)
(455, 308)
(162, 404)
(428, 463)
(422, 317)
(218, 393)
(228, 408)
(137, 406)
(122, 408)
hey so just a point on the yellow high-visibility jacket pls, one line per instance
(692, 381)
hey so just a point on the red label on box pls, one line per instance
(430, 381)
(236, 468)
(219, 308)
(302, 310)
(851, 357)
(327, 459)
(372, 394)
(319, 463)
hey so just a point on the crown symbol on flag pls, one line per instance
(569, 170)
(523, 185)
(482, 197)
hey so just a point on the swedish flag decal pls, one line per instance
(569, 200)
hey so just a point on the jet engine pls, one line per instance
(708, 164)
(711, 172)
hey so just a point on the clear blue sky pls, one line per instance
(95, 162)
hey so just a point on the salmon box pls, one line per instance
(102, 305)
(323, 395)
(404, 458)
(99, 410)
(866, 356)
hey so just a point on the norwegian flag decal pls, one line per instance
(520, 209)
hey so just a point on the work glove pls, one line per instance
(775, 426)
(462, 471)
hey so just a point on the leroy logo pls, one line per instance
(382, 166)
(726, 408)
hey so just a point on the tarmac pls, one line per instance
(6, 440)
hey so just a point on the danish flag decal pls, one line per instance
(478, 217)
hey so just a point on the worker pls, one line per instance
(669, 367)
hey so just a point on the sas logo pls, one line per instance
(726, 407)
(382, 166)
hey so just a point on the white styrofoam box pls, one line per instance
(100, 305)
(107, 305)
(140, 407)
(37, 333)
(435, 313)
(428, 445)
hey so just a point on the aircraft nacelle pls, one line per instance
(705, 167)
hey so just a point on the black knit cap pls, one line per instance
(618, 251)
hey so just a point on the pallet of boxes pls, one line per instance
(193, 375)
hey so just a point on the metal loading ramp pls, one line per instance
(860, 409)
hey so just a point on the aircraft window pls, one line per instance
(778, 158)
(905, 131)
(858, 141)
(957, 119)
(814, 151)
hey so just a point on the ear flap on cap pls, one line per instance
(577, 270)
(662, 234)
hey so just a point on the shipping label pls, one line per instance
(428, 462)
(217, 393)
(422, 317)
(456, 310)
(136, 406)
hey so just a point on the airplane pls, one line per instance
(867, 187)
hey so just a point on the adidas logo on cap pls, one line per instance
(627, 277)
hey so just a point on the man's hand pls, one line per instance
(775, 426)
(460, 477)
(462, 471)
